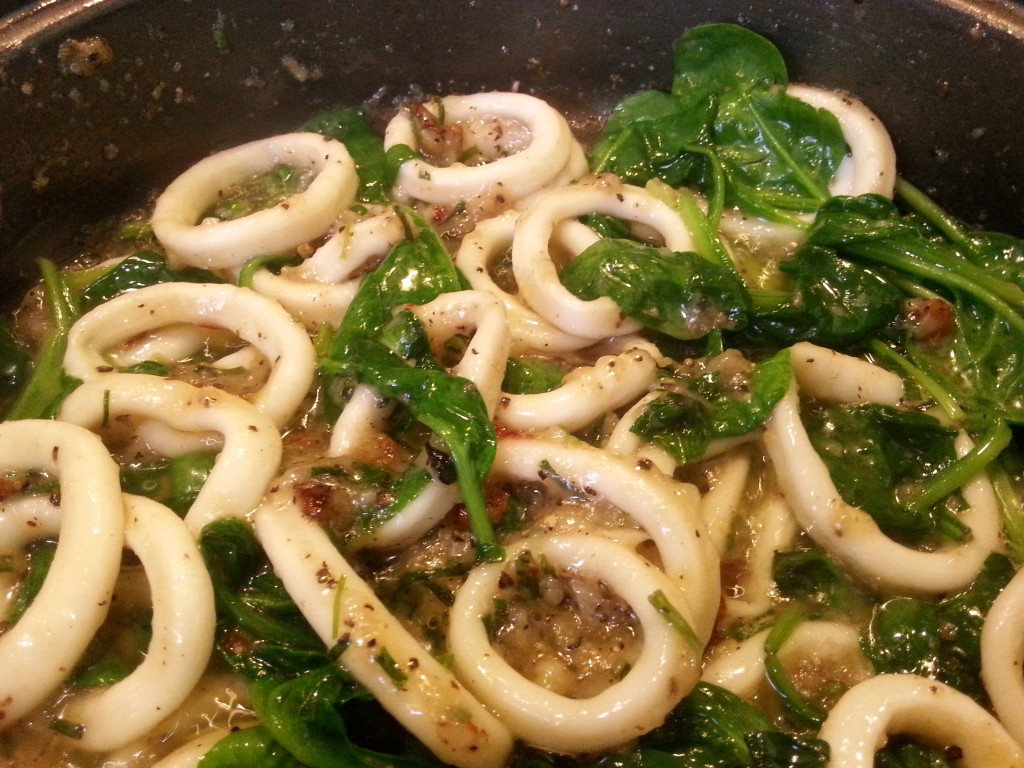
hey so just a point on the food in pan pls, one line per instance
(468, 443)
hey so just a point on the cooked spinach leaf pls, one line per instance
(138, 271)
(880, 458)
(377, 167)
(729, 128)
(834, 302)
(260, 631)
(698, 409)
(678, 294)
(910, 635)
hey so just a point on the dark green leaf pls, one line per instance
(377, 168)
(40, 558)
(713, 720)
(684, 422)
(939, 640)
(900, 753)
(309, 717)
(961, 617)
(415, 272)
(678, 294)
(835, 302)
(772, 749)
(778, 154)
(261, 632)
(904, 638)
(528, 377)
(716, 58)
(138, 271)
(650, 135)
(248, 748)
(879, 458)
(811, 575)
(453, 409)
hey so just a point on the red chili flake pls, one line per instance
(929, 320)
(314, 500)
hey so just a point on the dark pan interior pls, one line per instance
(946, 76)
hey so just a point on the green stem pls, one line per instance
(797, 707)
(937, 487)
(927, 209)
(981, 286)
(1012, 507)
(44, 387)
(936, 391)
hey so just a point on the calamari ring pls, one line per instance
(738, 665)
(320, 289)
(665, 671)
(344, 611)
(481, 247)
(667, 511)
(861, 721)
(486, 355)
(833, 377)
(775, 532)
(853, 536)
(516, 174)
(586, 393)
(574, 170)
(188, 755)
(537, 276)
(184, 621)
(251, 451)
(1002, 656)
(42, 648)
(258, 320)
(301, 218)
(872, 159)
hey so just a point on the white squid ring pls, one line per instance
(529, 330)
(42, 648)
(320, 289)
(1002, 655)
(872, 159)
(184, 620)
(853, 536)
(258, 320)
(251, 451)
(299, 219)
(738, 665)
(585, 394)
(537, 276)
(517, 174)
(831, 376)
(861, 721)
(483, 362)
(667, 511)
(666, 670)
